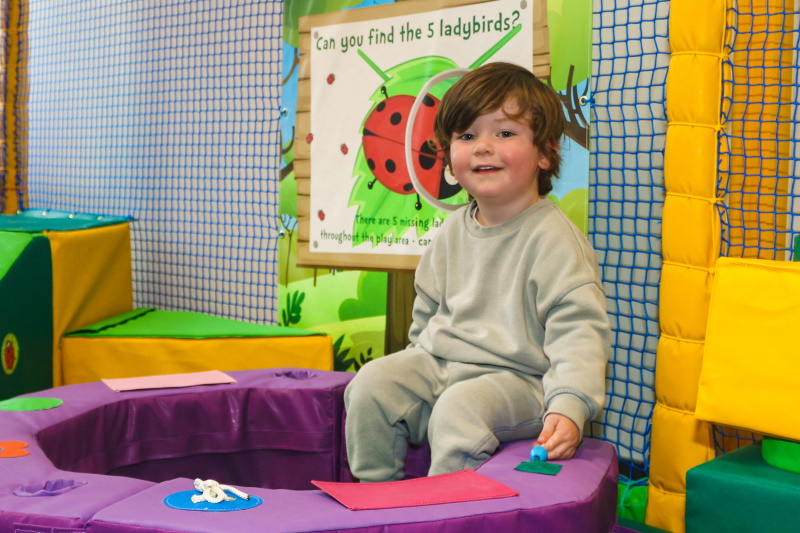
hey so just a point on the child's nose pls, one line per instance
(483, 145)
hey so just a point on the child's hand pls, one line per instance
(560, 437)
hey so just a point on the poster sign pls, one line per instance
(377, 188)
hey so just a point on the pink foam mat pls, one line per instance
(269, 434)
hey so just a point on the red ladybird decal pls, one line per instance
(384, 148)
(331, 79)
(10, 353)
(344, 149)
(309, 138)
(321, 214)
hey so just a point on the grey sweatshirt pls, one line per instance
(525, 295)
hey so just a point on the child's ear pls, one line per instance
(544, 161)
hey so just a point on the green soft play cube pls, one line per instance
(26, 317)
(740, 492)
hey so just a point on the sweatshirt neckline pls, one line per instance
(477, 230)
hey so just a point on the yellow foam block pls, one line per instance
(690, 156)
(683, 310)
(91, 280)
(92, 359)
(682, 217)
(677, 372)
(665, 509)
(751, 372)
(146, 342)
(682, 439)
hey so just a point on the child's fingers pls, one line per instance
(562, 451)
(545, 434)
(558, 439)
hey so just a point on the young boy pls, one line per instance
(510, 336)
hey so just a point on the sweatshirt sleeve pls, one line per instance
(578, 345)
(427, 298)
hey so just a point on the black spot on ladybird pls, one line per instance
(427, 156)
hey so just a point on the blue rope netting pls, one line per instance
(167, 112)
(630, 59)
(760, 138)
(760, 141)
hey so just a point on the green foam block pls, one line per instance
(740, 493)
(781, 454)
(26, 314)
(150, 322)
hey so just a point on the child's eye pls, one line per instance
(506, 134)
(466, 137)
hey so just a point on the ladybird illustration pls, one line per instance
(331, 79)
(344, 149)
(321, 214)
(309, 138)
(10, 353)
(384, 147)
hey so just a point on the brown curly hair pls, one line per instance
(485, 90)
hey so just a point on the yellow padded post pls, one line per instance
(690, 246)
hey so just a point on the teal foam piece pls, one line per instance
(38, 220)
(741, 493)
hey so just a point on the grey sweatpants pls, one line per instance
(465, 411)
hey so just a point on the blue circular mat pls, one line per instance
(183, 501)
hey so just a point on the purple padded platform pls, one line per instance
(273, 431)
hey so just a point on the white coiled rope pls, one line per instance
(213, 492)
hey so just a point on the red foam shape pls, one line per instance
(463, 486)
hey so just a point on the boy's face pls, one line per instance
(495, 159)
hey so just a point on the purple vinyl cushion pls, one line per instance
(105, 461)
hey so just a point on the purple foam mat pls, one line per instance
(581, 498)
(266, 434)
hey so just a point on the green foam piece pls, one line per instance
(740, 493)
(30, 403)
(26, 314)
(781, 453)
(153, 323)
(37, 221)
(539, 467)
(632, 500)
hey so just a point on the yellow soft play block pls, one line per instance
(91, 280)
(147, 342)
(751, 372)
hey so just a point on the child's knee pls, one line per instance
(369, 381)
